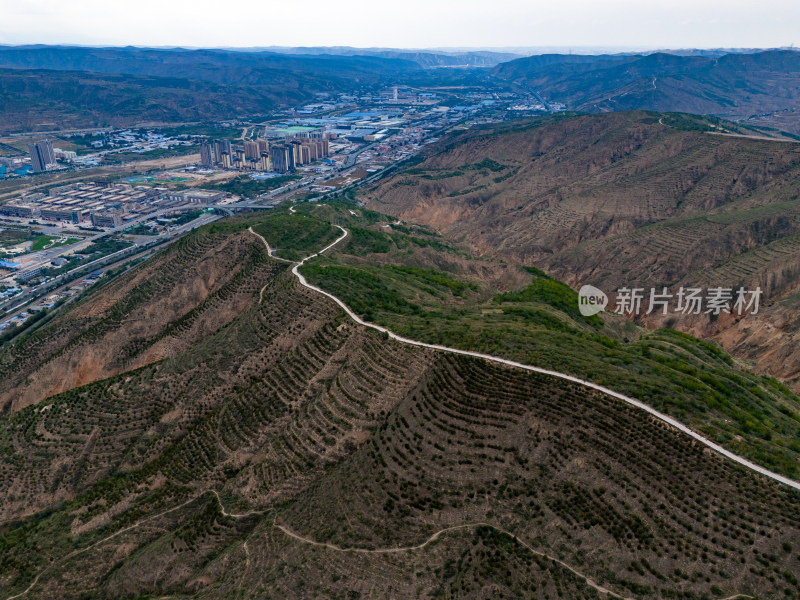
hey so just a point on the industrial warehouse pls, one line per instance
(103, 204)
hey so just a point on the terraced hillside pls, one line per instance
(198, 285)
(626, 199)
(289, 452)
(567, 474)
(425, 289)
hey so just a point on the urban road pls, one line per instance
(261, 202)
(59, 283)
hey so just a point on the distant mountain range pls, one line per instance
(762, 87)
(37, 100)
(45, 87)
(735, 86)
(423, 57)
(217, 66)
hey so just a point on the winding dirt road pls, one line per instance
(588, 580)
(510, 363)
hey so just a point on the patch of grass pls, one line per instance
(368, 292)
(686, 122)
(141, 229)
(41, 242)
(552, 292)
(434, 278)
(295, 236)
(366, 241)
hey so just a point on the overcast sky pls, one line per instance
(403, 23)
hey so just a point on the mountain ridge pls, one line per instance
(764, 86)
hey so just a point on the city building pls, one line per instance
(42, 155)
(78, 202)
(197, 197)
(22, 211)
(303, 148)
(282, 157)
(68, 155)
(251, 150)
(72, 215)
(37, 160)
(9, 266)
(239, 159)
(107, 219)
(30, 274)
(222, 148)
(207, 155)
(48, 152)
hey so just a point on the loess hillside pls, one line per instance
(197, 286)
(418, 285)
(280, 450)
(636, 199)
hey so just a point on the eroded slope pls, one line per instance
(627, 199)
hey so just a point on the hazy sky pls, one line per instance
(403, 23)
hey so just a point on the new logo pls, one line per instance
(591, 300)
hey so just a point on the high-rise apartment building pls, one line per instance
(37, 160)
(297, 152)
(282, 158)
(206, 155)
(251, 149)
(48, 152)
(222, 147)
(42, 155)
(259, 155)
(239, 159)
